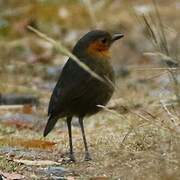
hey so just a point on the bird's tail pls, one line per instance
(50, 124)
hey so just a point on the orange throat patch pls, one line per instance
(99, 50)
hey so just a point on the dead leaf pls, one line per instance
(31, 143)
(27, 109)
(18, 123)
(38, 144)
(36, 162)
(12, 176)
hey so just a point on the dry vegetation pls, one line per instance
(137, 136)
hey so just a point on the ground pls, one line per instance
(137, 135)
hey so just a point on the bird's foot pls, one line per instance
(72, 158)
(69, 159)
(87, 157)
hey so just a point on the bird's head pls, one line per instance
(97, 43)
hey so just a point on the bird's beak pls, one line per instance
(117, 36)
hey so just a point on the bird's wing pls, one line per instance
(73, 83)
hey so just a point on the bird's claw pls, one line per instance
(72, 158)
(87, 157)
(69, 159)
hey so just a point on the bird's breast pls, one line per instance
(98, 52)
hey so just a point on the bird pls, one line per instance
(77, 92)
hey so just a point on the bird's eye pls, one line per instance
(104, 40)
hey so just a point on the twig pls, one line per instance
(161, 30)
(172, 117)
(11, 107)
(64, 51)
(90, 9)
(111, 111)
(152, 68)
(126, 135)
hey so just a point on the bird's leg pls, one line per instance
(87, 154)
(71, 153)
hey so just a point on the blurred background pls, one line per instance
(145, 110)
(29, 61)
